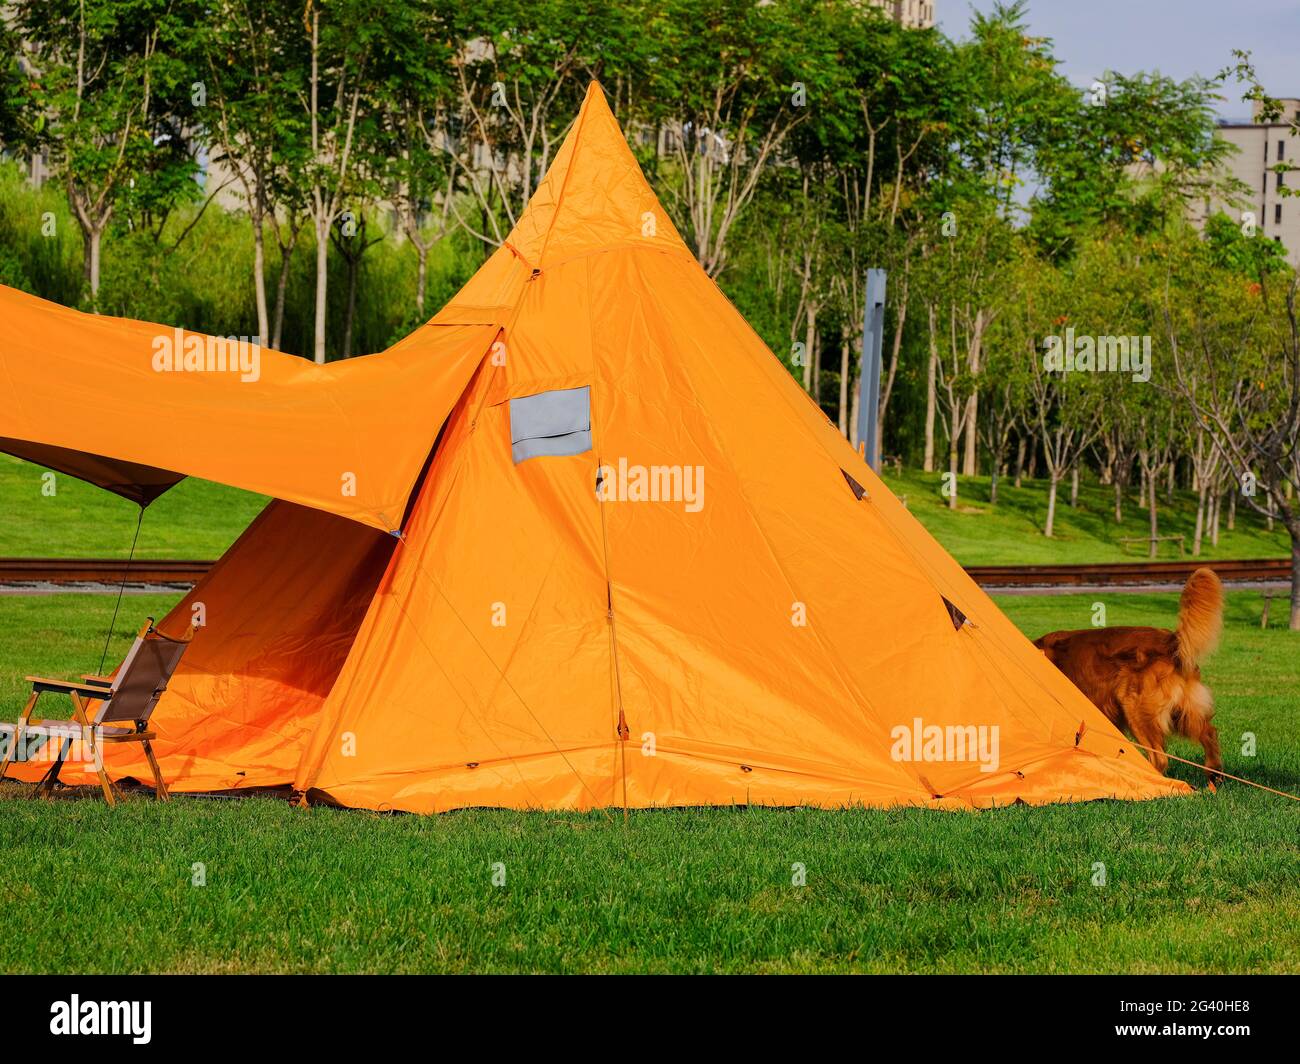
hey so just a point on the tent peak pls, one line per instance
(593, 197)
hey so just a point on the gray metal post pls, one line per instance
(873, 331)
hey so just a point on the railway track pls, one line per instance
(99, 571)
(1117, 574)
(1128, 574)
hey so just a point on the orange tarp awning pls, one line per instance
(110, 401)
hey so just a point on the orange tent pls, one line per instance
(636, 566)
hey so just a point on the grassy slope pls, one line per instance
(1012, 532)
(197, 519)
(1206, 883)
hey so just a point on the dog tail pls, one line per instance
(1200, 616)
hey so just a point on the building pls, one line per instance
(1260, 147)
(914, 14)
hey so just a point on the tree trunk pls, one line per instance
(931, 397)
(282, 282)
(855, 410)
(93, 239)
(1053, 480)
(1151, 513)
(845, 362)
(421, 272)
(1232, 508)
(817, 370)
(809, 349)
(1200, 523)
(259, 281)
(969, 467)
(1294, 529)
(1074, 487)
(1020, 460)
(1216, 502)
(952, 459)
(281, 293)
(1118, 483)
(887, 389)
(322, 280)
(354, 268)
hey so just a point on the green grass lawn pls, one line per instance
(1205, 883)
(197, 519)
(1011, 533)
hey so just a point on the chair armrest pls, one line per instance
(44, 683)
(98, 681)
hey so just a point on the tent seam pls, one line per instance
(564, 186)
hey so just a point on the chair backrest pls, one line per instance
(143, 677)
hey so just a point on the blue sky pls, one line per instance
(1178, 38)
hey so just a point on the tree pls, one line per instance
(519, 73)
(1012, 98)
(416, 93)
(965, 290)
(727, 84)
(1133, 153)
(1268, 108)
(339, 49)
(109, 92)
(18, 118)
(1236, 357)
(253, 62)
(1064, 406)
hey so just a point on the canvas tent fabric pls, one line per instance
(688, 590)
(84, 394)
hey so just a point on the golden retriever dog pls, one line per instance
(1148, 680)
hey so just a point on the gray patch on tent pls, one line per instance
(551, 423)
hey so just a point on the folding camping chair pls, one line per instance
(125, 704)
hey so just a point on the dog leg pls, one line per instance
(1194, 723)
(1147, 732)
(1209, 741)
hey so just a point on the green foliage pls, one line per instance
(109, 81)
(204, 282)
(1132, 151)
(1229, 248)
(1014, 102)
(38, 238)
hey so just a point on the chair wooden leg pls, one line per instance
(104, 784)
(103, 776)
(46, 787)
(160, 788)
(88, 737)
(18, 733)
